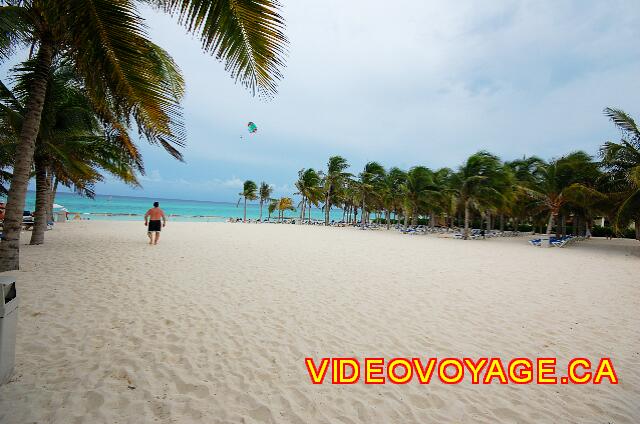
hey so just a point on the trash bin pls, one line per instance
(8, 321)
(62, 217)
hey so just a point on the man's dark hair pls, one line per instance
(156, 204)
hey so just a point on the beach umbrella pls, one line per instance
(57, 206)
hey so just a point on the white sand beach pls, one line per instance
(213, 324)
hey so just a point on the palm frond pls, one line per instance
(14, 29)
(248, 35)
(125, 72)
(623, 121)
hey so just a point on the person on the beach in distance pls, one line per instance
(155, 219)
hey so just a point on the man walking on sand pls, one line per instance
(153, 219)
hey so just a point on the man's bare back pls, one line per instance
(155, 219)
(155, 214)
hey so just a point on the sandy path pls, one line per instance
(213, 325)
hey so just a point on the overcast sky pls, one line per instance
(410, 82)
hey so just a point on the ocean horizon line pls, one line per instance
(119, 207)
(142, 197)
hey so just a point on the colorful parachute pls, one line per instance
(253, 128)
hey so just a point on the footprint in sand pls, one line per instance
(94, 401)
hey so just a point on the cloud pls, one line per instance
(405, 83)
(153, 176)
(413, 82)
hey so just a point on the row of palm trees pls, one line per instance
(547, 194)
(250, 191)
(93, 76)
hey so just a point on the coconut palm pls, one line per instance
(439, 200)
(333, 180)
(350, 198)
(265, 194)
(478, 185)
(371, 181)
(309, 187)
(418, 186)
(249, 192)
(526, 171)
(6, 161)
(72, 146)
(273, 206)
(525, 174)
(106, 43)
(562, 181)
(621, 160)
(284, 204)
(391, 192)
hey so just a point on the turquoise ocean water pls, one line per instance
(125, 208)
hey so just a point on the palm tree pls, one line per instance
(391, 192)
(6, 161)
(475, 184)
(439, 200)
(72, 146)
(418, 186)
(371, 180)
(309, 187)
(249, 192)
(284, 204)
(350, 199)
(333, 180)
(105, 41)
(264, 194)
(562, 181)
(526, 174)
(273, 206)
(622, 162)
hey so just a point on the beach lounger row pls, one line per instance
(558, 241)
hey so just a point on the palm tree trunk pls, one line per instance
(327, 207)
(501, 222)
(302, 210)
(261, 202)
(550, 223)
(563, 224)
(42, 194)
(53, 189)
(466, 220)
(245, 210)
(637, 225)
(388, 213)
(10, 246)
(363, 211)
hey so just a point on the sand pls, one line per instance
(213, 325)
